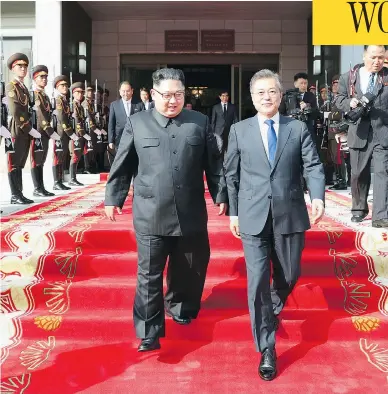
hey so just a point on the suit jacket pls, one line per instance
(221, 124)
(151, 105)
(167, 161)
(254, 187)
(118, 119)
(378, 116)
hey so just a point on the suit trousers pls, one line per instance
(360, 161)
(38, 158)
(266, 300)
(188, 260)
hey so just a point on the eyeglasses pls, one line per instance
(168, 96)
(271, 93)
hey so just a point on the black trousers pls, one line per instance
(265, 300)
(360, 160)
(188, 260)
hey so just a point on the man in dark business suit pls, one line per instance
(368, 137)
(145, 99)
(224, 115)
(166, 150)
(119, 112)
(267, 205)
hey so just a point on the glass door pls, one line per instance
(235, 94)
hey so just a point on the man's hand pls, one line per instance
(110, 212)
(111, 146)
(303, 105)
(318, 209)
(234, 227)
(223, 208)
(353, 103)
(339, 136)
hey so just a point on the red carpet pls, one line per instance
(68, 281)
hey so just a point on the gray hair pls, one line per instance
(266, 74)
(167, 73)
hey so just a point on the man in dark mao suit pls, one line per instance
(166, 150)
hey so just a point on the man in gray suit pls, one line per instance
(166, 150)
(119, 112)
(368, 137)
(267, 206)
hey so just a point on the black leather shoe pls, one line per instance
(21, 200)
(60, 186)
(74, 182)
(381, 223)
(358, 218)
(339, 186)
(177, 319)
(148, 344)
(39, 193)
(267, 367)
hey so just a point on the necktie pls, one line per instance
(371, 83)
(128, 108)
(272, 140)
(224, 109)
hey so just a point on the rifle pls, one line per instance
(72, 120)
(326, 108)
(38, 146)
(96, 112)
(317, 93)
(86, 111)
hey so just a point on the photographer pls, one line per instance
(363, 96)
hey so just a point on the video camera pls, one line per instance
(363, 108)
(293, 99)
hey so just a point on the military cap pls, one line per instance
(90, 87)
(106, 92)
(335, 78)
(77, 85)
(60, 78)
(17, 57)
(39, 70)
(100, 89)
(312, 87)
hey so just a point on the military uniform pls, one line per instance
(77, 147)
(65, 130)
(90, 155)
(19, 127)
(39, 146)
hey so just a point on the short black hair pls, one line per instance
(143, 89)
(300, 76)
(224, 91)
(163, 74)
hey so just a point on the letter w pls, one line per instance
(368, 21)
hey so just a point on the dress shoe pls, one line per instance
(148, 344)
(381, 223)
(358, 218)
(21, 200)
(267, 367)
(39, 193)
(47, 193)
(74, 182)
(60, 186)
(177, 319)
(339, 186)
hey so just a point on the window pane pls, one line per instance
(317, 50)
(317, 67)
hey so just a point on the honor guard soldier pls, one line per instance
(102, 142)
(20, 126)
(62, 120)
(91, 129)
(77, 147)
(43, 125)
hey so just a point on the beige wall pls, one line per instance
(110, 38)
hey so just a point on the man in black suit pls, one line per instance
(119, 112)
(368, 136)
(166, 150)
(145, 98)
(224, 115)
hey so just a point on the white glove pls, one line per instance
(55, 136)
(34, 133)
(5, 132)
(97, 131)
(74, 137)
(104, 132)
(87, 137)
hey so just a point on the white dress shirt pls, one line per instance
(364, 79)
(146, 105)
(127, 107)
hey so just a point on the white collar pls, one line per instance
(275, 118)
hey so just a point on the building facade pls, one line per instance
(219, 45)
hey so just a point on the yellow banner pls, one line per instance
(341, 22)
